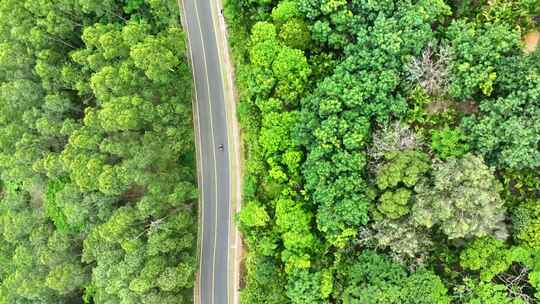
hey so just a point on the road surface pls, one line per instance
(210, 114)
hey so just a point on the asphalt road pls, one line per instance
(214, 168)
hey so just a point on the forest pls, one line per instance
(392, 150)
(97, 168)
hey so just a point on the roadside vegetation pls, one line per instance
(392, 150)
(98, 200)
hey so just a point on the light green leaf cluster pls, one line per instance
(463, 199)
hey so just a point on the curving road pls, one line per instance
(211, 124)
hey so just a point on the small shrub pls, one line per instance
(425, 112)
(449, 142)
(52, 210)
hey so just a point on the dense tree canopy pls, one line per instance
(462, 198)
(98, 189)
(391, 150)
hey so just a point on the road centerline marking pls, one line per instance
(214, 8)
(213, 148)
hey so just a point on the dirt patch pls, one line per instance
(133, 194)
(241, 260)
(467, 107)
(531, 41)
(36, 196)
(440, 106)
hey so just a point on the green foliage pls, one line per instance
(403, 237)
(374, 279)
(526, 223)
(295, 34)
(519, 112)
(424, 287)
(94, 115)
(263, 31)
(275, 137)
(364, 85)
(294, 225)
(515, 268)
(317, 77)
(486, 255)
(132, 5)
(394, 204)
(516, 12)
(396, 177)
(418, 100)
(473, 292)
(38, 263)
(53, 211)
(305, 288)
(462, 199)
(522, 184)
(449, 142)
(265, 282)
(292, 71)
(159, 56)
(402, 169)
(154, 255)
(284, 11)
(335, 176)
(477, 49)
(253, 215)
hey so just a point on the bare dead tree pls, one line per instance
(431, 70)
(516, 282)
(395, 136)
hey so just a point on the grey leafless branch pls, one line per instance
(516, 283)
(431, 70)
(396, 136)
